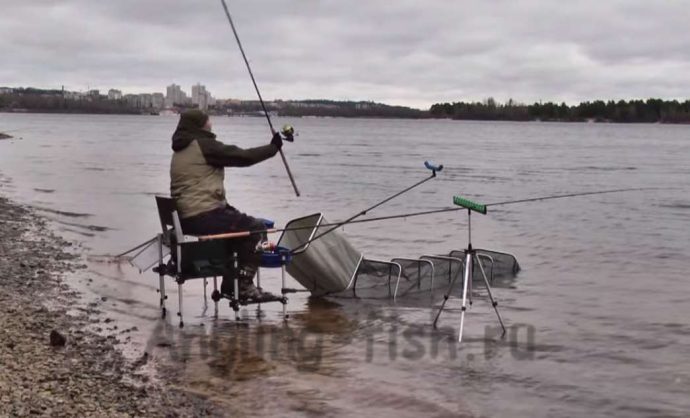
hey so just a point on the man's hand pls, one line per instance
(277, 140)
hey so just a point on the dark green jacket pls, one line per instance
(197, 169)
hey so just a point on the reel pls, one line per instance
(288, 133)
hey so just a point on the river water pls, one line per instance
(597, 318)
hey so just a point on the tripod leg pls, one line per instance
(467, 279)
(491, 297)
(445, 298)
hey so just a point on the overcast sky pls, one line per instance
(409, 52)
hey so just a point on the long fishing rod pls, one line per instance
(561, 196)
(338, 224)
(434, 168)
(287, 131)
(242, 234)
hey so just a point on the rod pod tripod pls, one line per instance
(471, 257)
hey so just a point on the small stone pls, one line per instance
(104, 298)
(57, 339)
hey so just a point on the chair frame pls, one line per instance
(181, 246)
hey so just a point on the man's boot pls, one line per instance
(247, 289)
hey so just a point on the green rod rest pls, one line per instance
(466, 203)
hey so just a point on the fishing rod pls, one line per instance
(287, 130)
(434, 168)
(337, 224)
(536, 199)
(334, 226)
(242, 234)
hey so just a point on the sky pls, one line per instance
(407, 52)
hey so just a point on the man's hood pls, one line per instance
(189, 128)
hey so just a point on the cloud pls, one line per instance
(406, 52)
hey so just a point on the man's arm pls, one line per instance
(221, 155)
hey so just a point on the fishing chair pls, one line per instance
(203, 257)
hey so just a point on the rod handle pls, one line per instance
(287, 168)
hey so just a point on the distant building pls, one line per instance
(202, 97)
(174, 94)
(132, 100)
(197, 91)
(145, 101)
(6, 90)
(93, 93)
(158, 100)
(73, 95)
(114, 94)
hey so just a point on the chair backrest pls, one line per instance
(166, 207)
(169, 219)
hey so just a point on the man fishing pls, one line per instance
(197, 172)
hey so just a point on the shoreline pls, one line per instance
(86, 373)
(423, 118)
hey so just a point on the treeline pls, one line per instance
(325, 108)
(633, 111)
(55, 101)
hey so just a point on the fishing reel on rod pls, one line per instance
(288, 133)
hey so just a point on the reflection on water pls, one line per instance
(597, 317)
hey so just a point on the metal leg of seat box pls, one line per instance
(179, 296)
(282, 291)
(161, 276)
(214, 295)
(235, 302)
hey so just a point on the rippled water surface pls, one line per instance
(597, 318)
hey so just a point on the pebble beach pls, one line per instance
(52, 363)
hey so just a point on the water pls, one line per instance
(597, 317)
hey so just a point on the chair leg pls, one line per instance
(258, 286)
(215, 295)
(161, 276)
(282, 291)
(235, 303)
(179, 301)
(161, 289)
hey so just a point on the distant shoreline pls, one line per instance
(588, 121)
(652, 110)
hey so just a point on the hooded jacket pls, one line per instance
(197, 169)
